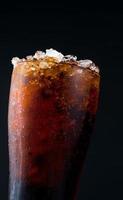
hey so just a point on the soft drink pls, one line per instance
(53, 102)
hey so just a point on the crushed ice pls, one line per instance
(59, 57)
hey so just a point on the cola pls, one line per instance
(52, 110)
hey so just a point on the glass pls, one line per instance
(52, 111)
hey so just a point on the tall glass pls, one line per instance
(52, 111)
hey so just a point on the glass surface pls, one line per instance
(51, 117)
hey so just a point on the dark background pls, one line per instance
(88, 31)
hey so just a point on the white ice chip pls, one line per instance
(15, 60)
(85, 63)
(55, 54)
(88, 64)
(70, 57)
(39, 54)
(29, 57)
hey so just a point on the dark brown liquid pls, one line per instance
(51, 116)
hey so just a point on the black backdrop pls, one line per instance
(86, 31)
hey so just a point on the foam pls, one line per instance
(58, 56)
